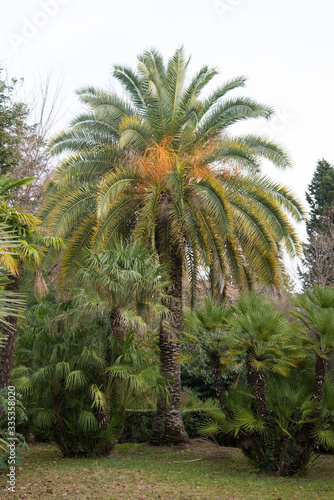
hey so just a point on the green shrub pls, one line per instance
(6, 435)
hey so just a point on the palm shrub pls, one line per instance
(271, 413)
(209, 345)
(315, 310)
(162, 167)
(6, 435)
(125, 284)
(272, 444)
(61, 367)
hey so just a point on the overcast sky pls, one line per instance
(284, 47)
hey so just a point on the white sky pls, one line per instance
(284, 47)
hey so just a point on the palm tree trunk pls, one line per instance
(256, 382)
(9, 333)
(217, 378)
(117, 327)
(118, 331)
(59, 428)
(168, 427)
(305, 439)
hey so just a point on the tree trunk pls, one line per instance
(305, 438)
(252, 444)
(256, 382)
(321, 365)
(118, 331)
(168, 427)
(59, 428)
(217, 378)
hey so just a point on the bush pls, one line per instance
(6, 435)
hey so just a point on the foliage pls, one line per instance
(168, 151)
(124, 280)
(23, 133)
(60, 371)
(317, 264)
(13, 116)
(200, 382)
(315, 309)
(271, 445)
(138, 425)
(6, 436)
(320, 194)
(285, 410)
(11, 304)
(30, 243)
(205, 346)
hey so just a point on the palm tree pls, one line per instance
(125, 285)
(207, 336)
(270, 346)
(268, 341)
(160, 166)
(315, 309)
(11, 304)
(24, 227)
(60, 370)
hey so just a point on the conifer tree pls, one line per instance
(320, 194)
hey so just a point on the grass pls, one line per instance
(200, 470)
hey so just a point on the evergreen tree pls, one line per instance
(320, 195)
(318, 262)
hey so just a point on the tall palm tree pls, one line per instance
(160, 166)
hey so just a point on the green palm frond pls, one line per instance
(87, 421)
(45, 418)
(76, 379)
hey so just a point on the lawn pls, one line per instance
(201, 470)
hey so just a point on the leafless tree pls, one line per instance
(44, 106)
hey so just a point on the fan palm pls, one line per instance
(315, 309)
(268, 340)
(207, 337)
(124, 284)
(62, 370)
(161, 167)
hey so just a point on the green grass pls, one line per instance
(142, 472)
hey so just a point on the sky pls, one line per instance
(283, 47)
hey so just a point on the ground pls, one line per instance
(201, 470)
